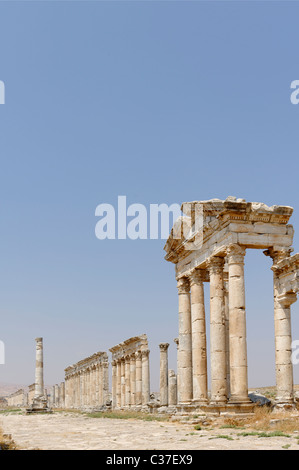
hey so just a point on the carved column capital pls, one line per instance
(133, 357)
(138, 355)
(278, 253)
(145, 353)
(235, 254)
(287, 299)
(183, 285)
(215, 264)
(196, 277)
(163, 346)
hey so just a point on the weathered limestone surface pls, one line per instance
(17, 399)
(172, 388)
(86, 383)
(208, 244)
(130, 373)
(40, 399)
(164, 373)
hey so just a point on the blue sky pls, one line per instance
(163, 102)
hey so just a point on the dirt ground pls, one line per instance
(75, 431)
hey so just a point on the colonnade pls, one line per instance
(86, 383)
(228, 350)
(130, 373)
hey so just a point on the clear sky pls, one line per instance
(164, 102)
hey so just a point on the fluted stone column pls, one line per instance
(52, 394)
(199, 343)
(105, 382)
(127, 380)
(133, 379)
(283, 348)
(138, 399)
(62, 394)
(164, 373)
(185, 342)
(283, 336)
(145, 377)
(176, 341)
(56, 396)
(39, 369)
(172, 388)
(114, 382)
(226, 316)
(118, 383)
(237, 325)
(123, 383)
(217, 332)
(101, 379)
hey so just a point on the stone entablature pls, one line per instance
(130, 373)
(287, 272)
(233, 221)
(87, 383)
(211, 247)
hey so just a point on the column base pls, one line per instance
(199, 401)
(284, 404)
(238, 399)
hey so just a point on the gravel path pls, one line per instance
(71, 431)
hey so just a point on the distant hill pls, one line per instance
(7, 388)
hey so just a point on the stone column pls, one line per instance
(123, 383)
(138, 399)
(52, 394)
(283, 335)
(127, 380)
(105, 382)
(176, 340)
(118, 383)
(62, 395)
(172, 388)
(56, 396)
(226, 316)
(185, 342)
(145, 377)
(101, 378)
(78, 389)
(83, 379)
(39, 369)
(114, 381)
(199, 343)
(237, 325)
(163, 374)
(217, 332)
(133, 379)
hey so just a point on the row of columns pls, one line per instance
(228, 348)
(87, 387)
(57, 396)
(283, 333)
(168, 379)
(131, 380)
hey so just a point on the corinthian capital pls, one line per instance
(197, 277)
(235, 254)
(215, 264)
(164, 346)
(183, 285)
